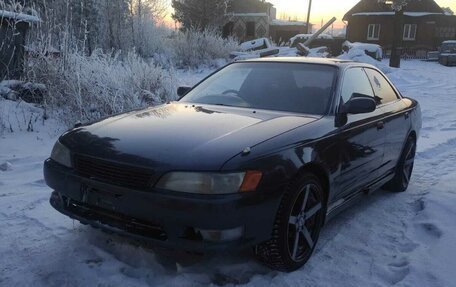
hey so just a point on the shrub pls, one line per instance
(194, 48)
(81, 88)
(86, 88)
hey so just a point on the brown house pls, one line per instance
(281, 31)
(252, 19)
(425, 27)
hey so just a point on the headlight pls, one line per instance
(61, 154)
(210, 183)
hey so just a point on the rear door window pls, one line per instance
(383, 91)
(355, 81)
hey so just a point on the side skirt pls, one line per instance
(342, 204)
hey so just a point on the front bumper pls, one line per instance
(165, 218)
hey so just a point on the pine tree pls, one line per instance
(200, 14)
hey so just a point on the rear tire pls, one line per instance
(444, 61)
(297, 226)
(404, 169)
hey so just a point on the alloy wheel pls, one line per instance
(302, 223)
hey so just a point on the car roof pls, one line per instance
(309, 60)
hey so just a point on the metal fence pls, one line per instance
(418, 54)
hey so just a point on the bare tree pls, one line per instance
(448, 10)
(87, 25)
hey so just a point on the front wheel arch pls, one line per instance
(276, 252)
(317, 170)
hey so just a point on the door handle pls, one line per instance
(380, 125)
(407, 115)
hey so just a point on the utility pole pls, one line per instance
(396, 50)
(398, 23)
(308, 17)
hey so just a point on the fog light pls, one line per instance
(222, 235)
(55, 199)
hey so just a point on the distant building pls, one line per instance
(13, 31)
(426, 25)
(252, 19)
(283, 30)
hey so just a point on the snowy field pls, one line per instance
(387, 239)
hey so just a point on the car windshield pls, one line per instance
(449, 48)
(290, 87)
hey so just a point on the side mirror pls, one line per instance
(182, 91)
(359, 104)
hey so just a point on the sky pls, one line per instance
(325, 9)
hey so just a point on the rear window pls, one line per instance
(449, 48)
(291, 87)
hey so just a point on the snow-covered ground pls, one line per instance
(387, 239)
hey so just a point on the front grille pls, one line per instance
(113, 173)
(116, 220)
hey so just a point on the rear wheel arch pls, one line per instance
(404, 167)
(412, 135)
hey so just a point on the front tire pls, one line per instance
(404, 169)
(297, 226)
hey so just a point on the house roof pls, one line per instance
(374, 7)
(248, 14)
(249, 6)
(279, 22)
(19, 17)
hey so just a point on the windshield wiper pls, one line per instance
(223, 105)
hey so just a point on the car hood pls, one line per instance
(180, 136)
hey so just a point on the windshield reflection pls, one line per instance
(291, 87)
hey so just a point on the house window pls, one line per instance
(445, 32)
(409, 32)
(250, 29)
(373, 32)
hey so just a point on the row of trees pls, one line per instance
(89, 24)
(86, 25)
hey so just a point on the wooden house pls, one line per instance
(425, 25)
(252, 19)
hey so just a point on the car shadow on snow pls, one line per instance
(141, 259)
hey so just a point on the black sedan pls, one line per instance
(447, 55)
(259, 154)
